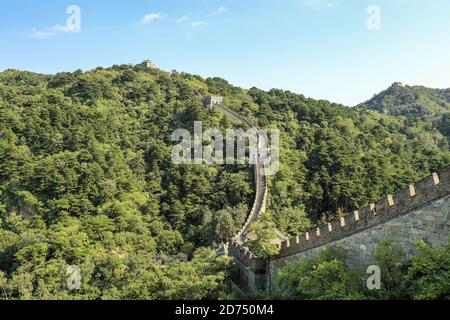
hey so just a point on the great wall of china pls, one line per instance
(418, 212)
(261, 193)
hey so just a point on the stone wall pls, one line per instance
(249, 271)
(212, 101)
(418, 212)
(430, 223)
(261, 193)
(393, 206)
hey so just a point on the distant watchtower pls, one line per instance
(147, 64)
(212, 101)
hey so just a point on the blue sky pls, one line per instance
(320, 48)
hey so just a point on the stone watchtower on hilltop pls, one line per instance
(147, 64)
(212, 101)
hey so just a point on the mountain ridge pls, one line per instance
(86, 178)
(405, 100)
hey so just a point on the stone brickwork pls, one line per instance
(249, 271)
(430, 223)
(418, 212)
(147, 64)
(424, 193)
(213, 101)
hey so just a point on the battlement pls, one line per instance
(252, 272)
(413, 197)
(246, 258)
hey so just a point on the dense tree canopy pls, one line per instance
(335, 158)
(86, 179)
(328, 276)
(401, 99)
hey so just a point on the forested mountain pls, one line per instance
(85, 158)
(406, 100)
(336, 159)
(86, 177)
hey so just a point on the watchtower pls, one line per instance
(212, 101)
(147, 64)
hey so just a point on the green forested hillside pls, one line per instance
(86, 159)
(335, 158)
(86, 178)
(327, 275)
(410, 100)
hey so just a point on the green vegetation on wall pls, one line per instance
(86, 179)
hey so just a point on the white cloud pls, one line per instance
(41, 34)
(219, 11)
(198, 24)
(182, 19)
(321, 4)
(47, 33)
(73, 25)
(60, 29)
(150, 17)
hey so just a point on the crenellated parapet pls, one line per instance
(362, 229)
(413, 197)
(246, 258)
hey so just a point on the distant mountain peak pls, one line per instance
(397, 84)
(404, 100)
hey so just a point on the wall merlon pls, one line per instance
(416, 204)
(366, 214)
(330, 227)
(381, 206)
(390, 200)
(435, 178)
(413, 197)
(335, 225)
(412, 190)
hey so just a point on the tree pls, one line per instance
(86, 179)
(201, 278)
(3, 284)
(321, 277)
(295, 221)
(429, 272)
(225, 227)
(265, 245)
(390, 256)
